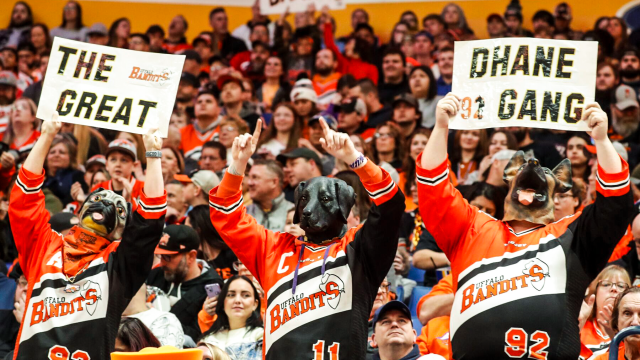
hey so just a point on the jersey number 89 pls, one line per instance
(516, 340)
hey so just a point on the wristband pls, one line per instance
(361, 160)
(154, 154)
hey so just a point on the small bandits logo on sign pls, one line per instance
(148, 75)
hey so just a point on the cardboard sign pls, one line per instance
(528, 82)
(277, 7)
(106, 87)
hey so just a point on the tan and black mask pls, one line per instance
(105, 213)
(531, 188)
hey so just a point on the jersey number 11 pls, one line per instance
(318, 350)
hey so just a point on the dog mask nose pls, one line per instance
(534, 162)
(306, 212)
(106, 203)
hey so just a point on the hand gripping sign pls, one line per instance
(106, 87)
(524, 82)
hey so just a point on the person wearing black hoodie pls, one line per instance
(182, 276)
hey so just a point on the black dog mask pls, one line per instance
(105, 213)
(531, 188)
(322, 207)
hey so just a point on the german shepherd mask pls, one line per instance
(531, 188)
(105, 213)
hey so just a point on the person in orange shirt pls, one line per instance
(434, 309)
(204, 128)
(325, 81)
(626, 312)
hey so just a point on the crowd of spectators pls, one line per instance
(291, 72)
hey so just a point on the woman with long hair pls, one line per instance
(456, 21)
(133, 336)
(172, 163)
(61, 168)
(40, 38)
(486, 198)
(119, 33)
(500, 140)
(22, 130)
(72, 27)
(617, 28)
(400, 30)
(469, 148)
(90, 141)
(274, 89)
(579, 156)
(413, 147)
(388, 145)
(425, 90)
(283, 132)
(238, 326)
(595, 323)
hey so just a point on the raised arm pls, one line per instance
(447, 216)
(35, 161)
(608, 158)
(153, 185)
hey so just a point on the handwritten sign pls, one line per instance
(106, 87)
(528, 82)
(277, 7)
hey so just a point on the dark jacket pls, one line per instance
(231, 45)
(388, 92)
(192, 296)
(60, 183)
(412, 355)
(630, 262)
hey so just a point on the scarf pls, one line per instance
(81, 247)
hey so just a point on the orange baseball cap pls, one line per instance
(161, 353)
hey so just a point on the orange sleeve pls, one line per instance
(443, 287)
(623, 246)
(205, 320)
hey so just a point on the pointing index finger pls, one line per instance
(257, 131)
(325, 127)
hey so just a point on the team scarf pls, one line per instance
(81, 247)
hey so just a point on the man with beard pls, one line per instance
(8, 83)
(545, 152)
(406, 113)
(630, 68)
(19, 27)
(325, 81)
(182, 276)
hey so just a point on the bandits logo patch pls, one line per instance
(332, 285)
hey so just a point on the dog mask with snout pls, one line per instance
(322, 207)
(531, 188)
(105, 213)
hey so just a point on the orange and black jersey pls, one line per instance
(518, 295)
(77, 317)
(318, 296)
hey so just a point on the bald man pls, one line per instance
(631, 261)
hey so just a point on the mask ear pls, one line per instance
(562, 173)
(296, 198)
(512, 167)
(346, 198)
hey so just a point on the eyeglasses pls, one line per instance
(607, 285)
(558, 197)
(383, 136)
(384, 286)
(237, 265)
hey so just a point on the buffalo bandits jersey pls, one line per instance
(518, 295)
(77, 318)
(318, 296)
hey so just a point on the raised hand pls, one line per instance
(77, 193)
(597, 121)
(51, 127)
(338, 144)
(243, 148)
(151, 141)
(446, 109)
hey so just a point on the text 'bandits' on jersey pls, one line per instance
(522, 290)
(319, 295)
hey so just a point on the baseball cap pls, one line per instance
(328, 118)
(205, 179)
(200, 39)
(391, 305)
(123, 146)
(96, 159)
(177, 239)
(625, 97)
(300, 153)
(190, 79)
(223, 80)
(303, 90)
(98, 29)
(423, 33)
(407, 99)
(63, 221)
(352, 104)
(8, 78)
(495, 16)
(563, 11)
